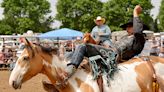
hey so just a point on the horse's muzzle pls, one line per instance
(15, 85)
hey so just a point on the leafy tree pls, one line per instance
(118, 12)
(5, 29)
(161, 16)
(78, 14)
(23, 15)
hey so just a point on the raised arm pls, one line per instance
(137, 23)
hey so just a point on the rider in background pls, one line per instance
(155, 47)
(127, 47)
(101, 32)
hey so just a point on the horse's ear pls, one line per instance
(26, 42)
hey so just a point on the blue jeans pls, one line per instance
(87, 50)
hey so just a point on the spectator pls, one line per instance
(2, 57)
(9, 53)
(155, 47)
(62, 50)
(161, 54)
(12, 61)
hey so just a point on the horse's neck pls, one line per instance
(52, 70)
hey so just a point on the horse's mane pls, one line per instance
(54, 51)
(49, 50)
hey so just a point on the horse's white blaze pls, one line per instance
(17, 73)
(124, 80)
(159, 70)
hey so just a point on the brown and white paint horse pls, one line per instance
(133, 76)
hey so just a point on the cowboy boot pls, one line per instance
(70, 70)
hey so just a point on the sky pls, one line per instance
(154, 11)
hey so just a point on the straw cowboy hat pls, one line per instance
(130, 22)
(99, 18)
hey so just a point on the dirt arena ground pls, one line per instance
(33, 85)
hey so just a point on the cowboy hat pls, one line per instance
(99, 18)
(130, 23)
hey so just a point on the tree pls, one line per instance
(23, 15)
(155, 25)
(78, 14)
(161, 16)
(118, 12)
(5, 29)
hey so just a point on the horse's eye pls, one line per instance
(26, 58)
